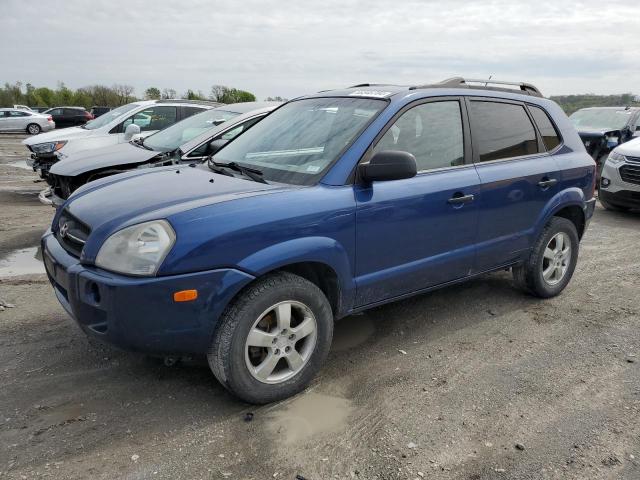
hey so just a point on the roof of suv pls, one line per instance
(372, 90)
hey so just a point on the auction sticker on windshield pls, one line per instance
(370, 93)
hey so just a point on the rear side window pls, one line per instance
(547, 130)
(502, 130)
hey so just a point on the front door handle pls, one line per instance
(550, 182)
(459, 199)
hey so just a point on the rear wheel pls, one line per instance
(552, 261)
(33, 128)
(273, 339)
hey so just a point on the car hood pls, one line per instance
(88, 160)
(58, 134)
(596, 132)
(117, 201)
(631, 148)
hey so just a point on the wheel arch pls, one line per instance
(567, 204)
(321, 260)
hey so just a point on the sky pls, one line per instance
(290, 48)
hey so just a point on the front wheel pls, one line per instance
(33, 128)
(273, 339)
(552, 261)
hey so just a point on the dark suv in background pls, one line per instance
(604, 128)
(69, 116)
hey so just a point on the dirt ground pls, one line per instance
(473, 382)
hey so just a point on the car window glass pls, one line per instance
(549, 133)
(152, 118)
(55, 111)
(201, 151)
(188, 111)
(17, 113)
(432, 132)
(71, 111)
(502, 130)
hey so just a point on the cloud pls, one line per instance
(288, 48)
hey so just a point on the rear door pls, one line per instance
(518, 179)
(419, 232)
(58, 117)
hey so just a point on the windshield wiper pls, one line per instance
(140, 143)
(253, 173)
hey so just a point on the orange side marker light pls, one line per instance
(185, 295)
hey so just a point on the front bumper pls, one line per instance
(136, 313)
(618, 191)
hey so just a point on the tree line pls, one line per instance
(572, 103)
(105, 96)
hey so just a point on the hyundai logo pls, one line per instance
(64, 228)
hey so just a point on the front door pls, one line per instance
(416, 233)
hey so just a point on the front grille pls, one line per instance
(71, 233)
(632, 159)
(630, 174)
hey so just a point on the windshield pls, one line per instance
(299, 141)
(179, 133)
(605, 118)
(109, 116)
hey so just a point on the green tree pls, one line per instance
(152, 93)
(222, 94)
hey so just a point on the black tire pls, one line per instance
(611, 207)
(528, 276)
(33, 129)
(226, 355)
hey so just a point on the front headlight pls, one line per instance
(137, 250)
(48, 147)
(615, 158)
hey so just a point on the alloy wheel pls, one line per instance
(556, 258)
(281, 342)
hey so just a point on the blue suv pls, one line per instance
(332, 204)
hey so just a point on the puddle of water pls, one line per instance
(21, 164)
(351, 332)
(25, 261)
(307, 416)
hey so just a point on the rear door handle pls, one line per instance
(459, 199)
(547, 183)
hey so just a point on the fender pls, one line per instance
(307, 249)
(565, 198)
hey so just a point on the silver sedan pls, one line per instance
(15, 120)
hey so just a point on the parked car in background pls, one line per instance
(15, 120)
(604, 128)
(332, 204)
(189, 141)
(98, 111)
(121, 125)
(620, 178)
(22, 107)
(69, 116)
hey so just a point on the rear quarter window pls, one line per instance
(550, 135)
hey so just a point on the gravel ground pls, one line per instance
(473, 382)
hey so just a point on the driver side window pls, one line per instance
(432, 132)
(152, 118)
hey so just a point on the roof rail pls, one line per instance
(459, 82)
(369, 85)
(195, 102)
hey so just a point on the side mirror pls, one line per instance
(388, 165)
(131, 130)
(216, 145)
